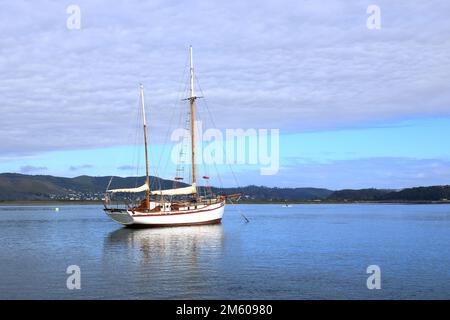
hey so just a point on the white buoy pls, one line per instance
(57, 209)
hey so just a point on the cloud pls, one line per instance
(32, 169)
(83, 166)
(382, 172)
(126, 167)
(304, 66)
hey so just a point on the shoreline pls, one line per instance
(98, 202)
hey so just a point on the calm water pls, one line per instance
(303, 252)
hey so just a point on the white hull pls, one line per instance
(208, 214)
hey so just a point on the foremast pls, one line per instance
(147, 177)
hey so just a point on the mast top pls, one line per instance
(141, 93)
(192, 95)
(191, 70)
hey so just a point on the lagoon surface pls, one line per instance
(303, 252)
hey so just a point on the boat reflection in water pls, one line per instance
(181, 245)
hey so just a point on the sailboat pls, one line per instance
(182, 206)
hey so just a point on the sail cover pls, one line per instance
(173, 192)
(144, 187)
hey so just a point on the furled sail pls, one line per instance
(142, 188)
(173, 192)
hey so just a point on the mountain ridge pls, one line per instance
(16, 187)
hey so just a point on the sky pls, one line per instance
(354, 107)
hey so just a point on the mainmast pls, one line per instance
(147, 178)
(191, 99)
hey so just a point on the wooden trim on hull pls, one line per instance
(172, 225)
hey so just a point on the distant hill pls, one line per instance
(277, 194)
(14, 186)
(358, 195)
(433, 193)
